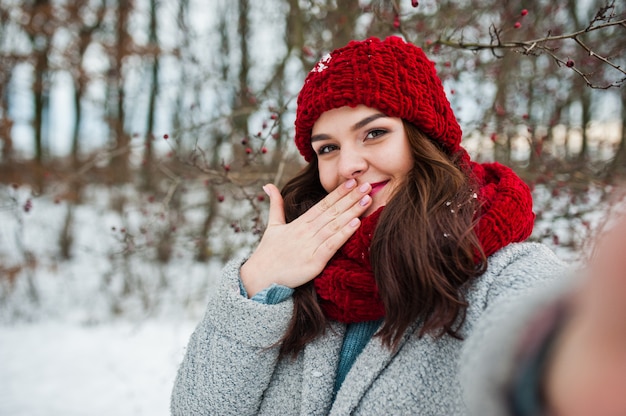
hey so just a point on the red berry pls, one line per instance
(263, 150)
(569, 63)
(517, 25)
(248, 150)
(524, 12)
(396, 22)
(261, 198)
(226, 168)
(220, 198)
(415, 3)
(166, 136)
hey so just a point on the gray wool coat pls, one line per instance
(231, 366)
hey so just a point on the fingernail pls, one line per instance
(354, 222)
(265, 190)
(365, 200)
(364, 187)
(349, 184)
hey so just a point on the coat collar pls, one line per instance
(321, 358)
(372, 361)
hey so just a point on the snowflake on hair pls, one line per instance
(321, 65)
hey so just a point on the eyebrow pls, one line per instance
(356, 126)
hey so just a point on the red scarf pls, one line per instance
(346, 289)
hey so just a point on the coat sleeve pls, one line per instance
(232, 353)
(531, 281)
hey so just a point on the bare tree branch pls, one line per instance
(541, 45)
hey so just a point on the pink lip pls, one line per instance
(377, 186)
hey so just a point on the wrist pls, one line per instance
(253, 281)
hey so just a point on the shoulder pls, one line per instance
(535, 255)
(513, 270)
(527, 262)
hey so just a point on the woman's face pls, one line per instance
(364, 144)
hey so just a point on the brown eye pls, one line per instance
(327, 148)
(372, 134)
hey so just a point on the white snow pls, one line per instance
(118, 368)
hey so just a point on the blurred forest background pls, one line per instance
(135, 135)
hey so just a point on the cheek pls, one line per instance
(327, 179)
(405, 163)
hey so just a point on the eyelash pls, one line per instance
(325, 149)
(372, 134)
(379, 132)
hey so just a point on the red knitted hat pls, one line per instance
(392, 76)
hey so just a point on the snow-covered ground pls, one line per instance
(83, 348)
(73, 343)
(115, 368)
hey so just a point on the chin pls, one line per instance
(371, 210)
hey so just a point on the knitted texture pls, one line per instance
(506, 214)
(392, 76)
(347, 289)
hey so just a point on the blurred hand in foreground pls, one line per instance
(587, 370)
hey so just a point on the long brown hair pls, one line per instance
(423, 253)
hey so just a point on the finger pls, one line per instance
(330, 245)
(606, 289)
(336, 224)
(609, 258)
(277, 211)
(337, 202)
(336, 232)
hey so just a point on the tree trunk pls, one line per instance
(120, 162)
(148, 168)
(618, 165)
(41, 45)
(585, 103)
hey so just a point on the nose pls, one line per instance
(351, 164)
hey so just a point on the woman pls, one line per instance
(379, 260)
